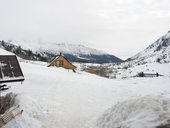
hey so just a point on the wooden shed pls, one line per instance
(61, 61)
(10, 70)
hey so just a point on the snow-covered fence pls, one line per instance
(9, 115)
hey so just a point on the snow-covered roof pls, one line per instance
(10, 70)
(4, 52)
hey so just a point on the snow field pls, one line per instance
(58, 98)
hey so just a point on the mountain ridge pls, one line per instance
(75, 53)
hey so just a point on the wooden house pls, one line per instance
(61, 61)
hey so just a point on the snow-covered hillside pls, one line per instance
(74, 52)
(159, 51)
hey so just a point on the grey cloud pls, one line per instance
(115, 26)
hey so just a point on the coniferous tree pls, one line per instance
(3, 43)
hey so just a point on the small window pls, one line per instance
(61, 63)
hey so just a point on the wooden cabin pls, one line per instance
(142, 74)
(61, 61)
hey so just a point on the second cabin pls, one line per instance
(61, 61)
(142, 74)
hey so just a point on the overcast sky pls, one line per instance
(119, 27)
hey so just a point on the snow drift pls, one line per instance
(144, 112)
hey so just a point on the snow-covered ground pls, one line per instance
(58, 98)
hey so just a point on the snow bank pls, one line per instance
(144, 112)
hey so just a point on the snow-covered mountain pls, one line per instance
(74, 52)
(80, 53)
(159, 51)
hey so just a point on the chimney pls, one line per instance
(60, 54)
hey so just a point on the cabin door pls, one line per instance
(58, 63)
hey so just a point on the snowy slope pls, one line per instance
(160, 49)
(57, 98)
